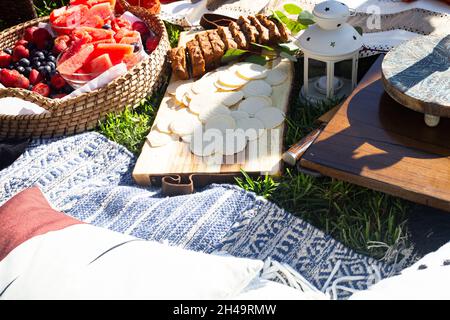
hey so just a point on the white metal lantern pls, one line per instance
(331, 39)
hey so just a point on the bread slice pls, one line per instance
(284, 36)
(207, 50)
(227, 38)
(250, 32)
(274, 34)
(263, 32)
(238, 36)
(177, 57)
(196, 58)
(217, 45)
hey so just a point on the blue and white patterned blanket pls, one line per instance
(89, 177)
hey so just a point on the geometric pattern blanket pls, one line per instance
(89, 177)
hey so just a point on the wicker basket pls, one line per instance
(75, 115)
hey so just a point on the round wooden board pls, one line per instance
(417, 74)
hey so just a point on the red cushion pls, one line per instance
(26, 215)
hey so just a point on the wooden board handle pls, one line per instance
(294, 153)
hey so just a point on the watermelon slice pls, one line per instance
(120, 23)
(130, 40)
(74, 48)
(57, 13)
(95, 33)
(103, 10)
(76, 61)
(72, 16)
(122, 33)
(91, 3)
(95, 43)
(81, 35)
(94, 22)
(100, 64)
(116, 51)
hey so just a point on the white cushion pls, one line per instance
(262, 289)
(74, 263)
(428, 278)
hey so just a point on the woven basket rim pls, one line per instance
(56, 103)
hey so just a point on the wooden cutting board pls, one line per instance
(175, 158)
(375, 142)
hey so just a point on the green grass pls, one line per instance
(355, 216)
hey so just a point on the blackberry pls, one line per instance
(20, 69)
(8, 51)
(106, 26)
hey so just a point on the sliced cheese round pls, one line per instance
(184, 123)
(172, 87)
(257, 88)
(204, 144)
(158, 139)
(276, 77)
(231, 79)
(222, 87)
(181, 91)
(233, 142)
(271, 117)
(227, 98)
(238, 114)
(205, 84)
(201, 102)
(213, 111)
(252, 127)
(251, 105)
(251, 71)
(222, 122)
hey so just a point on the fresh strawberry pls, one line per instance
(35, 77)
(28, 34)
(140, 27)
(42, 89)
(9, 77)
(57, 81)
(41, 38)
(5, 59)
(21, 42)
(152, 42)
(22, 82)
(20, 52)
